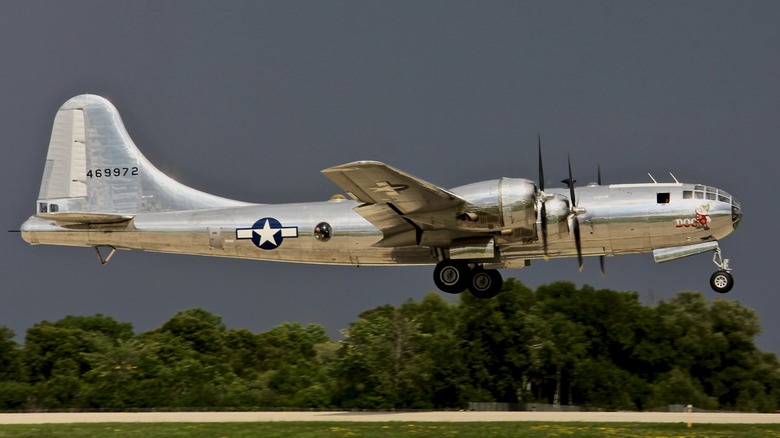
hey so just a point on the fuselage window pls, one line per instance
(663, 198)
(687, 194)
(723, 198)
(43, 207)
(53, 208)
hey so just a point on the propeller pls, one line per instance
(574, 223)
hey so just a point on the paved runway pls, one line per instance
(211, 417)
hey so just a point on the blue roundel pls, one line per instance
(269, 234)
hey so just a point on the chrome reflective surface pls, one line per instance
(93, 149)
(394, 218)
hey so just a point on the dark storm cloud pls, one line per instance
(250, 100)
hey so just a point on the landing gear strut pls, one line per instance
(721, 281)
(454, 276)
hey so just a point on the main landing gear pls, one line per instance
(455, 276)
(721, 281)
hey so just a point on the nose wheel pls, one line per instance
(455, 276)
(721, 281)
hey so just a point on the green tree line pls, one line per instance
(557, 344)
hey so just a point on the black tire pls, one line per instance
(485, 283)
(721, 282)
(451, 276)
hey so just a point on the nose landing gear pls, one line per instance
(721, 281)
(454, 276)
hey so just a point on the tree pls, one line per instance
(242, 352)
(440, 350)
(201, 330)
(178, 375)
(560, 345)
(716, 363)
(289, 344)
(117, 375)
(50, 350)
(558, 350)
(293, 360)
(54, 361)
(9, 355)
(379, 365)
(13, 391)
(104, 325)
(604, 336)
(747, 379)
(497, 342)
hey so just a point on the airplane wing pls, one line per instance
(372, 182)
(394, 201)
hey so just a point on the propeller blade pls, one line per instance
(570, 182)
(574, 222)
(577, 241)
(541, 168)
(544, 228)
(601, 264)
(543, 209)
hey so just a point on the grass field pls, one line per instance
(389, 429)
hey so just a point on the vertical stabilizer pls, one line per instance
(94, 168)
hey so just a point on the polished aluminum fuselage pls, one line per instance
(615, 219)
(98, 190)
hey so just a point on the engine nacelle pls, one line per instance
(557, 212)
(498, 205)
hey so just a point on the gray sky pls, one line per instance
(250, 100)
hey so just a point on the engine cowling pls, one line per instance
(557, 208)
(504, 204)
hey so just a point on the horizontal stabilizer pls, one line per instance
(85, 218)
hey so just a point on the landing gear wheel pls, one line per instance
(451, 276)
(485, 283)
(721, 282)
